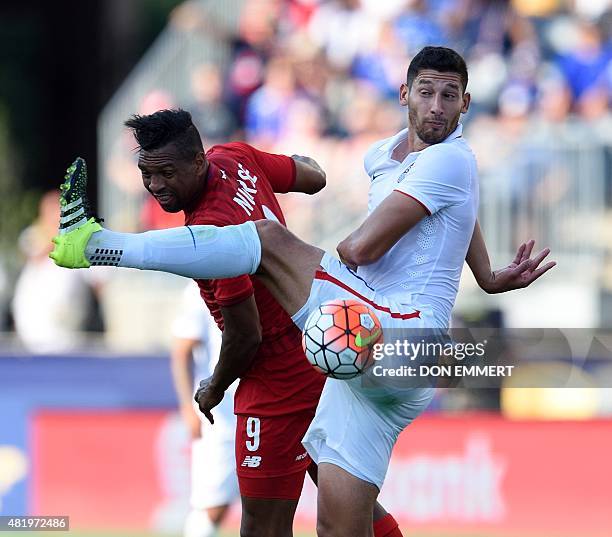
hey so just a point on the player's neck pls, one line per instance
(200, 192)
(414, 143)
(402, 150)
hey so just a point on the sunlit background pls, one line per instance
(88, 421)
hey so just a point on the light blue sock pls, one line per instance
(204, 252)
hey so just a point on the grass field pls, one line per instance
(223, 534)
(140, 534)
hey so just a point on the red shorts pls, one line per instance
(271, 461)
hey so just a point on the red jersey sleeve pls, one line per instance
(279, 169)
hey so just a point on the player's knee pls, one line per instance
(271, 232)
(259, 530)
(249, 528)
(328, 523)
(326, 527)
(270, 519)
(253, 525)
(331, 523)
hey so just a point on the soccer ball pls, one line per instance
(339, 336)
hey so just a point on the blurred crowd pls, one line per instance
(326, 67)
(321, 77)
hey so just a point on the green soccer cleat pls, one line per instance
(74, 205)
(69, 249)
(76, 223)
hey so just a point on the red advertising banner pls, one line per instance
(472, 474)
(107, 469)
(484, 473)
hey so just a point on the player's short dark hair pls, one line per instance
(440, 59)
(165, 127)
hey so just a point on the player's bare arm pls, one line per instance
(521, 272)
(387, 224)
(241, 339)
(181, 359)
(309, 176)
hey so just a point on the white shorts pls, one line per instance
(356, 427)
(213, 465)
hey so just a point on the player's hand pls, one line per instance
(192, 421)
(208, 397)
(308, 160)
(522, 272)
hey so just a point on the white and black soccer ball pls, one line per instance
(339, 337)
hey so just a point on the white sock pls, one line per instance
(204, 252)
(198, 524)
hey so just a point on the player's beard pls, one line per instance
(426, 133)
(168, 202)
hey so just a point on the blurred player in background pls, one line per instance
(195, 351)
(51, 309)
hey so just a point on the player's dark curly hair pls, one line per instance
(440, 59)
(164, 127)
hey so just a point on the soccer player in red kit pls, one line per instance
(230, 185)
(278, 390)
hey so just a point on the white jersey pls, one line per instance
(424, 267)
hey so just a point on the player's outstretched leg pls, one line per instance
(284, 263)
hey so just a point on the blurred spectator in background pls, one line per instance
(343, 29)
(419, 25)
(51, 307)
(384, 67)
(585, 68)
(267, 108)
(195, 351)
(210, 114)
(252, 47)
(311, 71)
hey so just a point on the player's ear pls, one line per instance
(200, 162)
(403, 94)
(467, 98)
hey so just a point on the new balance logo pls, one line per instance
(302, 456)
(252, 461)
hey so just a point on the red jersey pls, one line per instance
(240, 186)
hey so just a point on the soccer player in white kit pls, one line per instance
(194, 354)
(421, 227)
